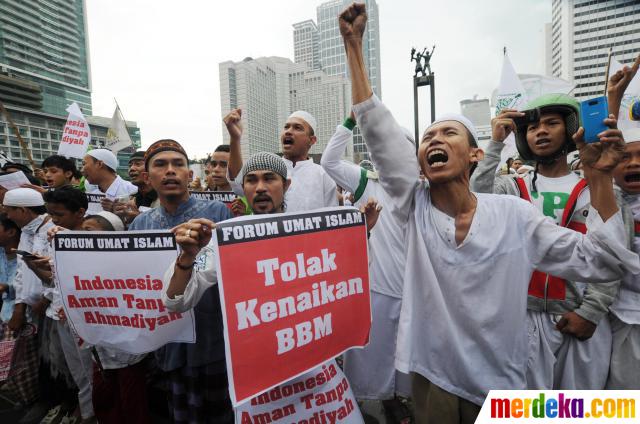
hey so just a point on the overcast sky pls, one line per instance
(159, 58)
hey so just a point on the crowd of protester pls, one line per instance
(482, 276)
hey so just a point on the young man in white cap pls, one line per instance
(463, 320)
(311, 187)
(26, 208)
(99, 167)
(624, 371)
(371, 370)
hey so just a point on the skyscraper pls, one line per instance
(269, 89)
(580, 35)
(45, 42)
(260, 88)
(306, 44)
(44, 67)
(333, 60)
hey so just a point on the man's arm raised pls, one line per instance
(353, 21)
(234, 127)
(393, 155)
(618, 84)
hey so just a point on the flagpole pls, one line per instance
(17, 131)
(606, 72)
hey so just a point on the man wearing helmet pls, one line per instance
(569, 333)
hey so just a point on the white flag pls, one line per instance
(631, 95)
(4, 158)
(538, 85)
(76, 135)
(117, 135)
(511, 95)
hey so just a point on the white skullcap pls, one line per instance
(106, 156)
(306, 117)
(631, 135)
(23, 197)
(113, 220)
(458, 118)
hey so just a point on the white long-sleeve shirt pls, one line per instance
(386, 244)
(203, 277)
(311, 187)
(463, 318)
(28, 286)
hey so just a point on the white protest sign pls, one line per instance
(13, 180)
(76, 135)
(322, 395)
(111, 284)
(95, 204)
(511, 95)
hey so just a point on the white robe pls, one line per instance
(463, 318)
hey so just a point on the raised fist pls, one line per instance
(234, 126)
(353, 21)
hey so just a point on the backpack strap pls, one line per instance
(570, 207)
(522, 188)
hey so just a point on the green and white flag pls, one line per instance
(511, 95)
(117, 135)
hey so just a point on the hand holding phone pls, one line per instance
(25, 254)
(593, 112)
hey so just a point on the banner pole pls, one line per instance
(20, 139)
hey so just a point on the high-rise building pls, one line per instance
(44, 67)
(306, 44)
(580, 35)
(269, 89)
(334, 61)
(259, 87)
(45, 42)
(327, 98)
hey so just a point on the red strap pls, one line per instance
(636, 227)
(571, 203)
(522, 187)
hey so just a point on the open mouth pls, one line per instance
(543, 142)
(632, 178)
(287, 141)
(437, 158)
(171, 183)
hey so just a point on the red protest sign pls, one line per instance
(295, 293)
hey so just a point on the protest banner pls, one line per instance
(295, 293)
(226, 197)
(76, 135)
(322, 395)
(111, 284)
(94, 200)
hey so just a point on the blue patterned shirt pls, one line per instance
(209, 346)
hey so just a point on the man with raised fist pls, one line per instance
(463, 321)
